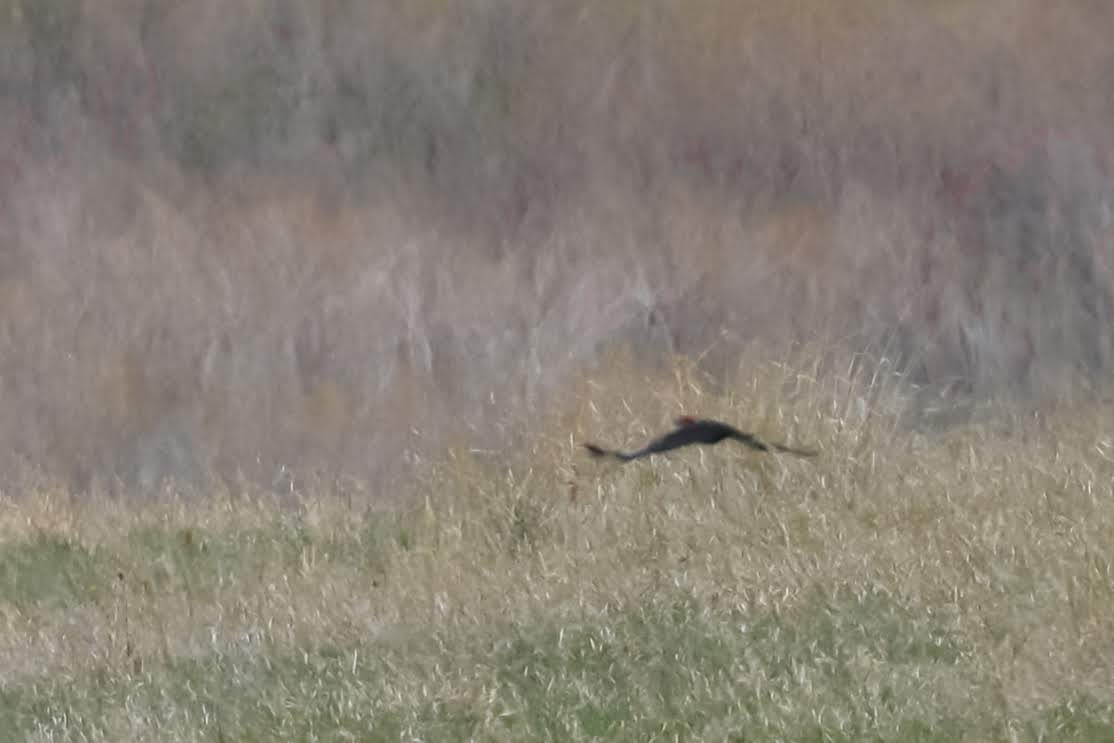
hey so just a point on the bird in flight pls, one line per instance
(694, 431)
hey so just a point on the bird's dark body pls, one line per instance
(691, 431)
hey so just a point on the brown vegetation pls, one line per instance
(900, 586)
(244, 237)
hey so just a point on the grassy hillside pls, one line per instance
(932, 586)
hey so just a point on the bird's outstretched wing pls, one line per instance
(691, 431)
(684, 435)
(658, 445)
(791, 450)
(755, 443)
(750, 440)
(599, 452)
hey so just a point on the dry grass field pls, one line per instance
(904, 586)
(245, 236)
(306, 309)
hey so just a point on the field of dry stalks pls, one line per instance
(902, 586)
(288, 236)
(306, 308)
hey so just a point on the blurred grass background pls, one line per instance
(242, 239)
(305, 309)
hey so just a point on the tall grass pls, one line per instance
(243, 239)
(902, 586)
(305, 310)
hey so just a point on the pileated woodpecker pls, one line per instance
(692, 431)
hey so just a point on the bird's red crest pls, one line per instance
(686, 420)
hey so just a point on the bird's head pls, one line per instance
(685, 420)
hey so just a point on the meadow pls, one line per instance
(306, 310)
(904, 586)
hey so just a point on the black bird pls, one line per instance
(692, 431)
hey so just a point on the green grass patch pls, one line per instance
(52, 570)
(670, 668)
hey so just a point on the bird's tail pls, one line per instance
(599, 452)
